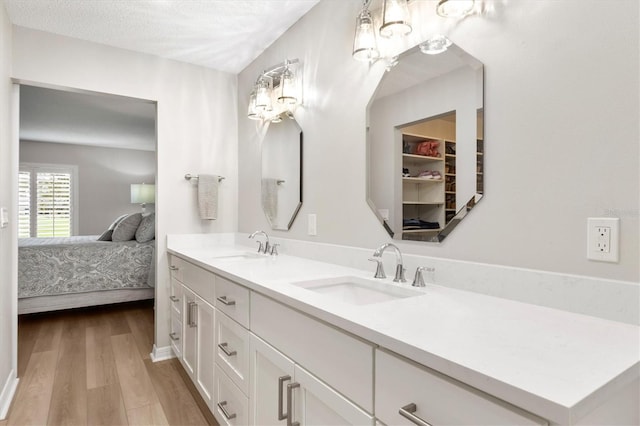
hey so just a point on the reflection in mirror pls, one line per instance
(425, 144)
(281, 172)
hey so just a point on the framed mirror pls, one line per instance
(281, 194)
(425, 143)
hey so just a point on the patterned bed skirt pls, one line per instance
(53, 266)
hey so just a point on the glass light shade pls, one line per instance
(364, 43)
(435, 45)
(263, 94)
(252, 113)
(454, 8)
(395, 19)
(287, 88)
(142, 193)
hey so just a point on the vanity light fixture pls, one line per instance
(396, 24)
(276, 91)
(454, 8)
(395, 19)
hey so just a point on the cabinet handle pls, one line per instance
(224, 301)
(224, 410)
(173, 268)
(290, 388)
(174, 299)
(173, 336)
(281, 380)
(407, 412)
(192, 315)
(227, 352)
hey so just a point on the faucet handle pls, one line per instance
(418, 280)
(379, 268)
(260, 246)
(399, 278)
(274, 249)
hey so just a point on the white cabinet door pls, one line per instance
(189, 342)
(205, 349)
(317, 404)
(278, 385)
(269, 372)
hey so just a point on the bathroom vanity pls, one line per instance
(289, 340)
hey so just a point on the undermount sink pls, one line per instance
(239, 256)
(357, 291)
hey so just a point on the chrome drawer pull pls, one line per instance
(290, 388)
(227, 352)
(173, 336)
(224, 301)
(174, 299)
(173, 268)
(407, 412)
(224, 410)
(191, 316)
(281, 380)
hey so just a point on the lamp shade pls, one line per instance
(454, 8)
(364, 43)
(143, 193)
(395, 19)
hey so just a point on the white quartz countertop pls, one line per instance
(556, 364)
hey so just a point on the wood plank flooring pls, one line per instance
(92, 367)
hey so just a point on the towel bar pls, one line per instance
(190, 177)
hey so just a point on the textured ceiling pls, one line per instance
(226, 35)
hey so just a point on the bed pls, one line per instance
(71, 272)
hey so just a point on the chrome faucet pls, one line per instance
(399, 277)
(262, 248)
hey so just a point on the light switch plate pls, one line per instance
(4, 217)
(603, 239)
(311, 224)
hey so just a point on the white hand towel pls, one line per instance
(208, 196)
(270, 199)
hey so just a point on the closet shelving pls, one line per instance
(424, 198)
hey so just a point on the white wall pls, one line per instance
(197, 128)
(561, 131)
(8, 245)
(104, 178)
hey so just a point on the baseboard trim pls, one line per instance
(8, 392)
(161, 354)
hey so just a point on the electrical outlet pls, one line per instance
(603, 239)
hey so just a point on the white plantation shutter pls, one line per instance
(46, 201)
(24, 204)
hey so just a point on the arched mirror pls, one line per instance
(425, 145)
(282, 171)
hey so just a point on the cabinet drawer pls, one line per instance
(201, 281)
(232, 350)
(230, 406)
(438, 400)
(176, 335)
(176, 297)
(175, 266)
(233, 300)
(340, 360)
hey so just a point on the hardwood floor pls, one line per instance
(92, 367)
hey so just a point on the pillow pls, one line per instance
(147, 229)
(125, 230)
(106, 235)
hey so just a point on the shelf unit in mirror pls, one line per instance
(428, 183)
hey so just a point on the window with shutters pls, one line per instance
(46, 200)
